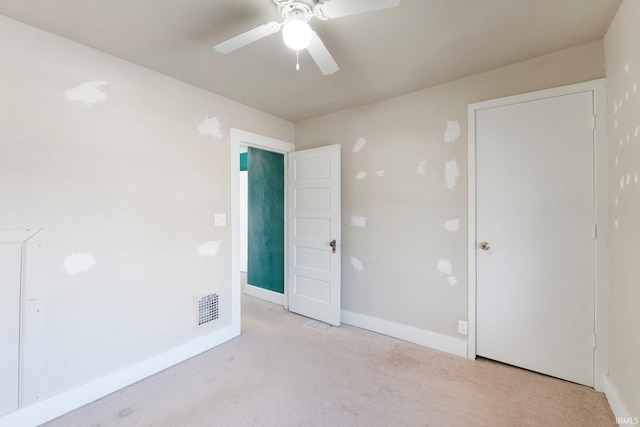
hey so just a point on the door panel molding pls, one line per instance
(597, 87)
(314, 208)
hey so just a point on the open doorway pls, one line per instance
(261, 147)
(262, 223)
(312, 285)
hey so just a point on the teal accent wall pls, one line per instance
(265, 263)
(243, 161)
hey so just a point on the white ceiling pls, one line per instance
(381, 54)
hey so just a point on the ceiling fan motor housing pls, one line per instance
(302, 10)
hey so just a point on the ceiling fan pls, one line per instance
(297, 33)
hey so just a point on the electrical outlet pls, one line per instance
(462, 327)
(220, 220)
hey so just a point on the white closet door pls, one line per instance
(535, 212)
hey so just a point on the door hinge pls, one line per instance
(594, 341)
(595, 231)
(593, 121)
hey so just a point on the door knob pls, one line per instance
(333, 246)
(485, 246)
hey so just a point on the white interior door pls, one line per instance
(314, 223)
(10, 272)
(535, 210)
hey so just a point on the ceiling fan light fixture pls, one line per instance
(297, 34)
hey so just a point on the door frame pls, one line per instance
(601, 289)
(237, 138)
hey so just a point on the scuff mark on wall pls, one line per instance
(78, 263)
(381, 173)
(210, 248)
(125, 412)
(356, 264)
(445, 267)
(87, 93)
(361, 175)
(360, 143)
(452, 225)
(451, 173)
(211, 126)
(422, 168)
(358, 221)
(452, 132)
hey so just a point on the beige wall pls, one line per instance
(400, 263)
(127, 168)
(133, 182)
(622, 54)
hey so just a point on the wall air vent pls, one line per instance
(207, 308)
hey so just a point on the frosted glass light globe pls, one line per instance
(297, 34)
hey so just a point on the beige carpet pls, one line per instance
(281, 373)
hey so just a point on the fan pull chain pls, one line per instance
(297, 60)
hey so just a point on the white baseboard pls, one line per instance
(55, 406)
(264, 294)
(429, 339)
(617, 405)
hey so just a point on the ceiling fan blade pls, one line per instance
(247, 37)
(331, 9)
(321, 56)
